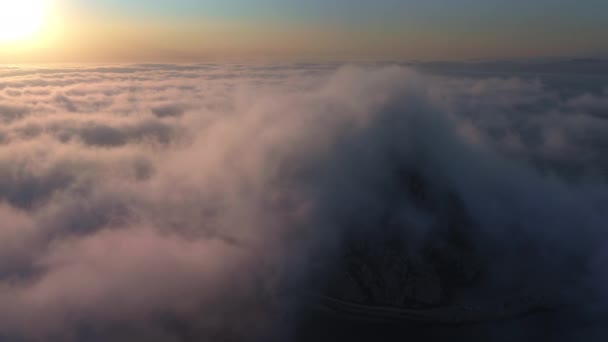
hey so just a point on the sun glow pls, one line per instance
(21, 19)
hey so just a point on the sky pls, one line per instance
(193, 30)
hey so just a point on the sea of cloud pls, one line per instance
(194, 202)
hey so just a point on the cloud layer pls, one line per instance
(177, 202)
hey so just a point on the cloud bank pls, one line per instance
(197, 202)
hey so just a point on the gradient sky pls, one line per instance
(186, 30)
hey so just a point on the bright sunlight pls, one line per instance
(21, 19)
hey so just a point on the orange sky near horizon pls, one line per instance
(73, 35)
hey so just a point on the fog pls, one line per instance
(202, 202)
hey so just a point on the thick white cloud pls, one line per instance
(137, 196)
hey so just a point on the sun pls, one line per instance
(21, 19)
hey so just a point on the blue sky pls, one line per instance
(356, 9)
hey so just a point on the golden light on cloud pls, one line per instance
(20, 20)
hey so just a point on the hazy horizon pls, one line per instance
(77, 31)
